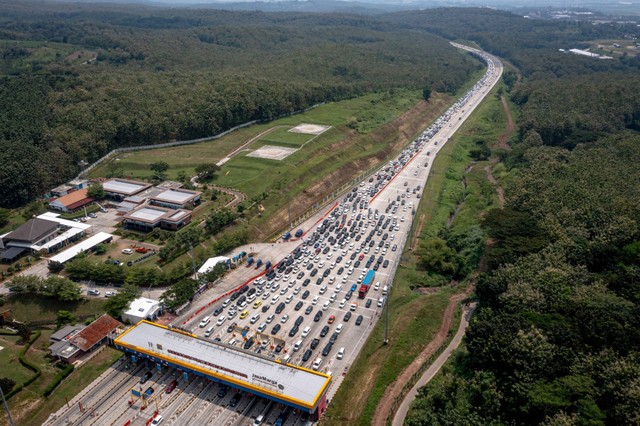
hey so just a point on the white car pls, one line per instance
(109, 293)
(157, 420)
(284, 319)
(127, 251)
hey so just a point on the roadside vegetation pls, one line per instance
(450, 209)
(555, 338)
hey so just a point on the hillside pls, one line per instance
(79, 80)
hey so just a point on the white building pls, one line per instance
(211, 263)
(141, 309)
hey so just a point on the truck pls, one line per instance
(286, 236)
(267, 265)
(299, 233)
(249, 262)
(366, 283)
(258, 263)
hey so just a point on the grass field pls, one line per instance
(283, 137)
(9, 357)
(29, 407)
(32, 308)
(415, 318)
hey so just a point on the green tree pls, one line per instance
(435, 255)
(65, 317)
(96, 191)
(55, 267)
(426, 93)
(6, 384)
(159, 169)
(5, 214)
(100, 249)
(179, 293)
(206, 171)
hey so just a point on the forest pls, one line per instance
(77, 81)
(555, 338)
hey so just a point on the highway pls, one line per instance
(369, 223)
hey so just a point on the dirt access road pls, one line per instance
(394, 391)
(431, 372)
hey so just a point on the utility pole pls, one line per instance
(6, 407)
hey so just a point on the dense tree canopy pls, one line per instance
(125, 76)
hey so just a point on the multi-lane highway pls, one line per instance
(308, 311)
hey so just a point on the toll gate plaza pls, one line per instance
(287, 384)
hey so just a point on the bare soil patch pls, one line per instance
(504, 138)
(397, 133)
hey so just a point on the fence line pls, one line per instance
(84, 172)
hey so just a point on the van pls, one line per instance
(353, 307)
(343, 302)
(316, 364)
(340, 354)
(221, 320)
(326, 305)
(297, 345)
(205, 321)
(289, 298)
(306, 331)
(333, 297)
(226, 303)
(275, 287)
(255, 318)
(251, 298)
(232, 342)
(286, 358)
(209, 332)
(376, 287)
(381, 302)
(385, 290)
(275, 299)
(339, 328)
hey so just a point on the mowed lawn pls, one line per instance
(27, 309)
(367, 112)
(11, 367)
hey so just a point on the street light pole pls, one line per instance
(6, 407)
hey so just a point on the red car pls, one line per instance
(172, 386)
(361, 256)
(331, 319)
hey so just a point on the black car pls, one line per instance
(265, 308)
(340, 271)
(307, 355)
(347, 316)
(313, 273)
(293, 331)
(299, 320)
(314, 343)
(234, 296)
(230, 328)
(376, 267)
(308, 310)
(276, 328)
(146, 377)
(318, 316)
(348, 295)
(356, 263)
(333, 338)
(385, 264)
(353, 255)
(223, 391)
(217, 312)
(319, 281)
(236, 398)
(280, 307)
(306, 282)
(324, 331)
(305, 295)
(300, 275)
(240, 300)
(248, 343)
(309, 266)
(326, 273)
(278, 348)
(327, 349)
(359, 319)
(298, 306)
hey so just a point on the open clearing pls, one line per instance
(310, 129)
(272, 152)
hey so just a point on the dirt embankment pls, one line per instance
(394, 135)
(394, 390)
